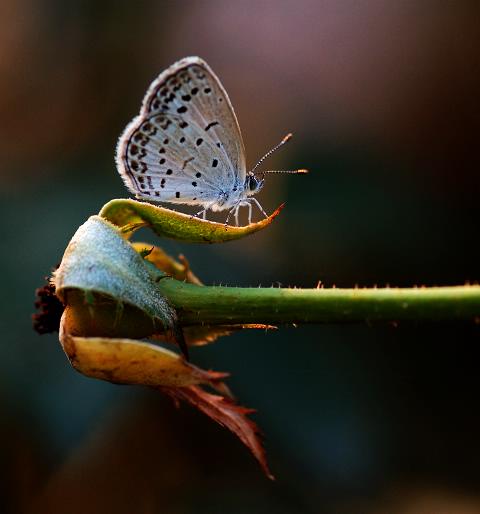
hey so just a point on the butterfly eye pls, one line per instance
(252, 183)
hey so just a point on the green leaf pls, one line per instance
(130, 215)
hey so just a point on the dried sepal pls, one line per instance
(200, 335)
(164, 262)
(228, 414)
(128, 361)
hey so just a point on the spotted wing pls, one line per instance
(185, 146)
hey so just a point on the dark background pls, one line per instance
(383, 99)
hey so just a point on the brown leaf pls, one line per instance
(228, 414)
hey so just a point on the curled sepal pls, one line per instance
(113, 288)
(128, 361)
(98, 260)
(129, 215)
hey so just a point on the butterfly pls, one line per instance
(185, 146)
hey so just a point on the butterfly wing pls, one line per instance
(185, 146)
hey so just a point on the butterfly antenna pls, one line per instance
(274, 149)
(296, 172)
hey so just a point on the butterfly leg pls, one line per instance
(237, 209)
(249, 212)
(259, 206)
(203, 212)
(230, 212)
(245, 203)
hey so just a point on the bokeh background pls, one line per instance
(382, 97)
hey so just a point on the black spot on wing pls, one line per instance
(210, 125)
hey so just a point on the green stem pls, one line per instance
(232, 305)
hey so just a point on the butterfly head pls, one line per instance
(253, 184)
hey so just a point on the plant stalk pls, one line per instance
(217, 305)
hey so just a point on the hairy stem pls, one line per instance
(230, 305)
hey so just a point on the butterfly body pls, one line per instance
(185, 146)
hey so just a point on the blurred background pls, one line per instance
(382, 97)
